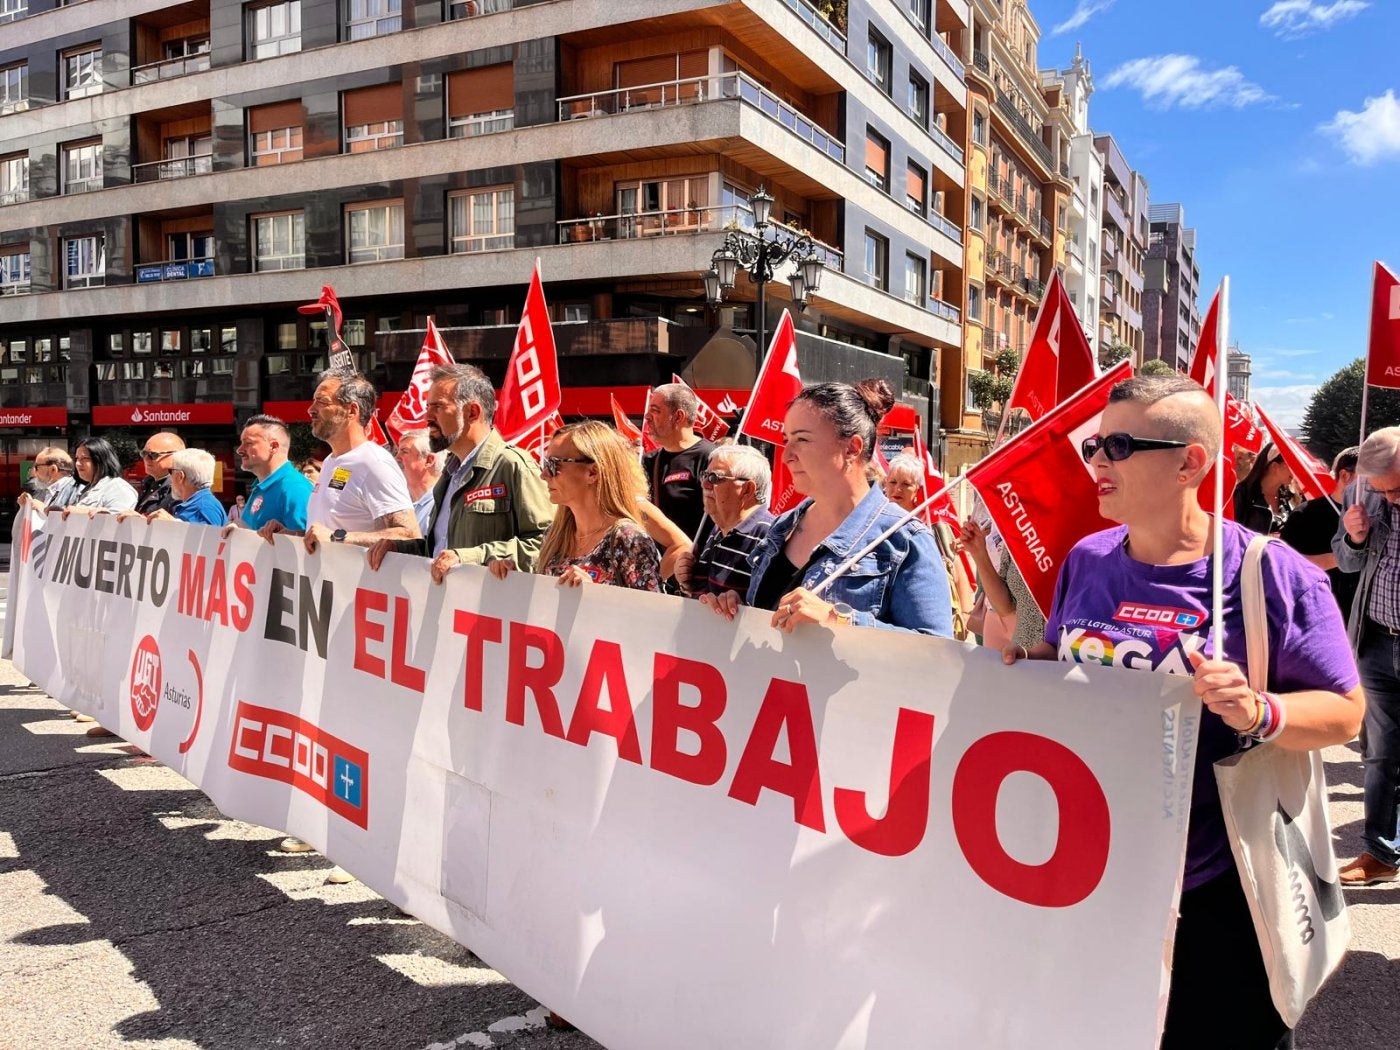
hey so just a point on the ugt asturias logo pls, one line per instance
(280, 746)
(145, 683)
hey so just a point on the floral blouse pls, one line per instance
(624, 557)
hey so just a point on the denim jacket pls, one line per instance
(900, 585)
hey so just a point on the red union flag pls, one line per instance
(1383, 352)
(707, 421)
(411, 413)
(1058, 361)
(941, 509)
(1240, 428)
(376, 432)
(530, 395)
(1203, 362)
(1313, 476)
(1040, 492)
(536, 442)
(630, 431)
(778, 383)
(783, 495)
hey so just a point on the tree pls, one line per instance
(834, 11)
(1112, 354)
(305, 445)
(124, 444)
(991, 388)
(1156, 367)
(1332, 421)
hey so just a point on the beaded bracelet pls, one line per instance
(1276, 719)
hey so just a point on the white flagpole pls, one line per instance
(1366, 362)
(1217, 561)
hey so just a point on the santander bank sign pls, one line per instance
(33, 417)
(161, 415)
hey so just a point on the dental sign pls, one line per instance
(833, 839)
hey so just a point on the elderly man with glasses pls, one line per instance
(52, 478)
(191, 474)
(1368, 541)
(155, 493)
(734, 487)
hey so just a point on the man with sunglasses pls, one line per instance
(1139, 596)
(735, 486)
(1368, 541)
(155, 493)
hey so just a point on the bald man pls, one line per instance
(155, 491)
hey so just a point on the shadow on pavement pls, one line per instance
(1366, 1016)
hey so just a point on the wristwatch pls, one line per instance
(843, 613)
(338, 536)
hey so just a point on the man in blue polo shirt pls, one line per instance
(282, 492)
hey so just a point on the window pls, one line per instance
(367, 18)
(373, 118)
(916, 193)
(471, 8)
(979, 127)
(14, 86)
(481, 101)
(187, 247)
(483, 220)
(84, 261)
(380, 134)
(877, 254)
(878, 58)
(14, 271)
(374, 231)
(274, 133)
(976, 213)
(915, 278)
(14, 178)
(918, 12)
(187, 155)
(82, 72)
(576, 312)
(877, 159)
(82, 167)
(12, 9)
(974, 302)
(279, 242)
(662, 206)
(918, 100)
(274, 29)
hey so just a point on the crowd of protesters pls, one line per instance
(692, 519)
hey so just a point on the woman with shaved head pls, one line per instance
(1156, 442)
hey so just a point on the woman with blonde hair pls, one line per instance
(904, 487)
(597, 537)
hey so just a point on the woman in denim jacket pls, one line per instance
(829, 436)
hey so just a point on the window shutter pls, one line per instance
(373, 105)
(482, 90)
(289, 114)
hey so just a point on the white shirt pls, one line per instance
(357, 489)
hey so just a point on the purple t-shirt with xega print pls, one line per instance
(1117, 612)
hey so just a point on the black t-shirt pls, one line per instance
(155, 495)
(1309, 530)
(674, 478)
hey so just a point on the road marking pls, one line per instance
(530, 1021)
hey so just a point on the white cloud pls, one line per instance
(1371, 135)
(1083, 11)
(1294, 18)
(1285, 404)
(1166, 81)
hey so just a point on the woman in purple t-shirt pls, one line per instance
(1139, 596)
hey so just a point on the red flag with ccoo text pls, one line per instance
(1058, 362)
(536, 442)
(1383, 351)
(1040, 492)
(530, 395)
(411, 413)
(778, 383)
(1313, 476)
(707, 421)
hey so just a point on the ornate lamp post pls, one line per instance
(760, 254)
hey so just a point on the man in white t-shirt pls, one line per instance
(361, 496)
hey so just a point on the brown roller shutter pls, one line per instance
(916, 184)
(694, 64)
(641, 71)
(876, 153)
(373, 105)
(290, 114)
(483, 90)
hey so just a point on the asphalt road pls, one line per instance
(132, 914)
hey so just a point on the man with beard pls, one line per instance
(491, 502)
(361, 497)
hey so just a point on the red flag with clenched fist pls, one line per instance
(1040, 492)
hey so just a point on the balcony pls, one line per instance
(999, 268)
(694, 90)
(1041, 229)
(14, 287)
(677, 222)
(947, 144)
(947, 311)
(1031, 288)
(1023, 128)
(174, 168)
(170, 67)
(823, 28)
(982, 64)
(14, 197)
(1076, 253)
(999, 191)
(174, 270)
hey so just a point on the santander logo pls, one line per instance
(160, 415)
(728, 405)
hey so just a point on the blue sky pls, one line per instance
(1277, 126)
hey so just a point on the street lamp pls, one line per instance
(760, 254)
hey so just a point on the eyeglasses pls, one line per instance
(549, 466)
(714, 477)
(1118, 447)
(150, 456)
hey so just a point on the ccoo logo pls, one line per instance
(145, 683)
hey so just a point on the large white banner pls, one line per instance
(676, 831)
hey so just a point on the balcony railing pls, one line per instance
(694, 90)
(949, 146)
(1075, 251)
(938, 222)
(945, 310)
(88, 185)
(676, 221)
(174, 270)
(170, 67)
(1032, 287)
(819, 24)
(946, 53)
(14, 197)
(981, 62)
(174, 168)
(1023, 127)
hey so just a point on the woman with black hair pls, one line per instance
(98, 485)
(829, 437)
(1262, 499)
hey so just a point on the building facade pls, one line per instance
(1124, 252)
(1171, 310)
(178, 177)
(1239, 369)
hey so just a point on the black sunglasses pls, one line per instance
(1118, 447)
(549, 466)
(714, 477)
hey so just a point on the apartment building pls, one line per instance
(1124, 251)
(175, 178)
(1239, 368)
(1171, 288)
